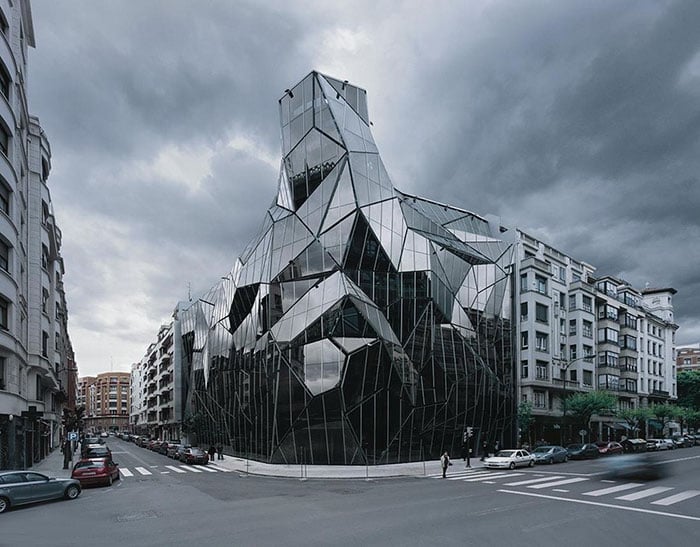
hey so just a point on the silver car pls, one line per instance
(21, 487)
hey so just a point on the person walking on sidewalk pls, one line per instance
(211, 451)
(484, 450)
(67, 450)
(445, 463)
(219, 452)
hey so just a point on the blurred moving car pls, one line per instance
(550, 454)
(21, 487)
(194, 455)
(96, 471)
(580, 451)
(610, 448)
(510, 459)
(635, 466)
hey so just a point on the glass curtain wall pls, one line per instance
(362, 324)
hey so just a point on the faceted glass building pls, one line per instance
(362, 325)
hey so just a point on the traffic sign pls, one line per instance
(73, 436)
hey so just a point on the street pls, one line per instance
(154, 504)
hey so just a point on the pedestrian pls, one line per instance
(445, 463)
(67, 453)
(484, 450)
(496, 447)
(220, 451)
(212, 451)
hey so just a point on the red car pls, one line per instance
(194, 455)
(96, 471)
(610, 448)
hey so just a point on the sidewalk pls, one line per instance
(52, 465)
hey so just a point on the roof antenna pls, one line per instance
(189, 291)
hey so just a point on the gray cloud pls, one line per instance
(576, 121)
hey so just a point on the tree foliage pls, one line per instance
(525, 418)
(688, 387)
(635, 417)
(582, 406)
(664, 413)
(73, 418)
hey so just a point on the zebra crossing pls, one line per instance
(629, 491)
(179, 469)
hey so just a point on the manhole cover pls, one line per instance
(129, 517)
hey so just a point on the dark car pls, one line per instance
(194, 455)
(181, 451)
(582, 451)
(96, 471)
(635, 466)
(21, 487)
(92, 440)
(610, 448)
(165, 446)
(97, 451)
(550, 454)
(172, 449)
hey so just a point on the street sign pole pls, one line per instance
(468, 438)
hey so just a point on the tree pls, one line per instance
(688, 386)
(73, 418)
(682, 415)
(525, 419)
(635, 417)
(582, 406)
(663, 413)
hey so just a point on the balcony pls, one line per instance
(659, 394)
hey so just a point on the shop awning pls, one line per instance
(655, 424)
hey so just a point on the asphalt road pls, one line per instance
(571, 504)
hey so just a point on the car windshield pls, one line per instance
(542, 449)
(505, 453)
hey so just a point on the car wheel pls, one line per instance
(72, 492)
(512, 465)
(4, 504)
(531, 463)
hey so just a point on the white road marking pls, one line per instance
(469, 475)
(176, 469)
(644, 493)
(532, 481)
(492, 476)
(143, 471)
(677, 497)
(599, 504)
(124, 471)
(613, 489)
(560, 490)
(206, 468)
(164, 472)
(190, 468)
(557, 483)
(222, 469)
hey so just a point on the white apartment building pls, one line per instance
(37, 369)
(578, 333)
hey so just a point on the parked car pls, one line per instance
(668, 442)
(172, 449)
(656, 444)
(104, 435)
(194, 455)
(510, 459)
(580, 451)
(163, 449)
(92, 440)
(609, 448)
(682, 441)
(634, 445)
(181, 451)
(95, 471)
(550, 454)
(96, 451)
(21, 487)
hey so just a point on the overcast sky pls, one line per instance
(576, 121)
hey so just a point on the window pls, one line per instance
(587, 303)
(587, 378)
(608, 336)
(607, 359)
(607, 312)
(4, 26)
(45, 300)
(524, 340)
(587, 329)
(588, 352)
(523, 283)
(541, 341)
(573, 375)
(542, 370)
(630, 321)
(562, 300)
(540, 284)
(540, 399)
(2, 373)
(541, 313)
(523, 311)
(5, 195)
(4, 140)
(572, 327)
(572, 352)
(4, 313)
(39, 392)
(5, 81)
(45, 343)
(629, 342)
(572, 302)
(4, 255)
(562, 273)
(45, 257)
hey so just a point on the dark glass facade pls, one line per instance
(362, 325)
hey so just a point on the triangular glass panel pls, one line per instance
(311, 212)
(386, 221)
(335, 239)
(353, 344)
(284, 192)
(415, 256)
(353, 95)
(364, 251)
(289, 238)
(343, 202)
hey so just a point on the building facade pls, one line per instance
(688, 358)
(37, 365)
(362, 325)
(580, 332)
(107, 400)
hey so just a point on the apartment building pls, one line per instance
(156, 408)
(107, 401)
(37, 365)
(688, 358)
(578, 332)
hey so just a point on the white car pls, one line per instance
(510, 459)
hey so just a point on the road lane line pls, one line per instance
(613, 489)
(143, 471)
(176, 469)
(222, 469)
(124, 471)
(190, 468)
(677, 497)
(532, 481)
(600, 504)
(461, 476)
(644, 493)
(557, 483)
(492, 476)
